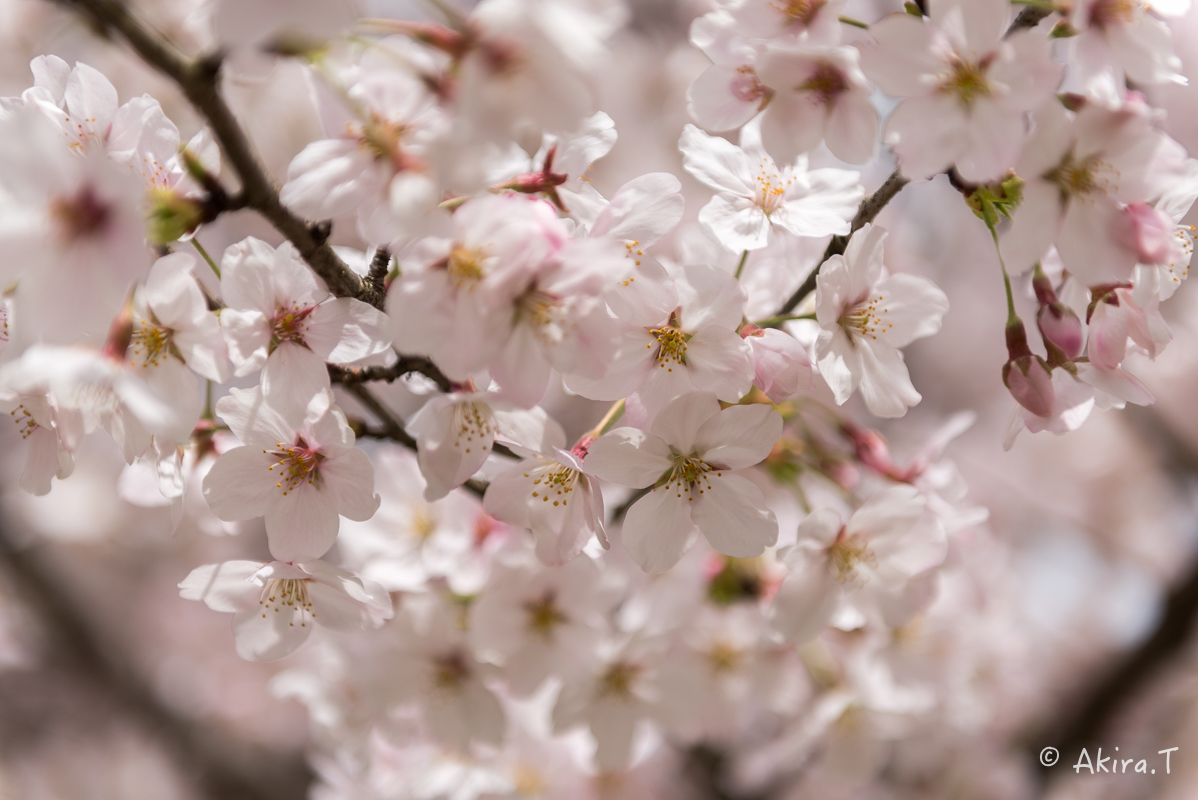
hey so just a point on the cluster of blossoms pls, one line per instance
(725, 558)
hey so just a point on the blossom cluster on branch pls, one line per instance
(725, 557)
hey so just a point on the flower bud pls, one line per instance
(171, 216)
(782, 366)
(1030, 383)
(1061, 327)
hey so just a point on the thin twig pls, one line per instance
(404, 366)
(869, 209)
(199, 81)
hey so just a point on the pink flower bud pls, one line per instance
(1151, 235)
(1060, 326)
(783, 367)
(1030, 383)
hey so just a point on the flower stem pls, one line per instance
(614, 413)
(856, 23)
(1006, 278)
(200, 249)
(741, 266)
(770, 322)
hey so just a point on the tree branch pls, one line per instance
(199, 81)
(267, 777)
(404, 366)
(869, 209)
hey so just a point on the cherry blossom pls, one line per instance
(869, 563)
(967, 86)
(276, 605)
(1080, 172)
(280, 316)
(865, 320)
(676, 336)
(754, 195)
(299, 469)
(688, 459)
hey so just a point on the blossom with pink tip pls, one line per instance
(276, 605)
(783, 366)
(299, 469)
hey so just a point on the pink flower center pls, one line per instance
(83, 215)
(297, 464)
(689, 474)
(827, 82)
(746, 87)
(1107, 13)
(771, 186)
(966, 80)
(289, 324)
(671, 346)
(150, 344)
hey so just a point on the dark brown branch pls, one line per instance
(270, 776)
(199, 81)
(869, 209)
(404, 366)
(374, 288)
(1029, 17)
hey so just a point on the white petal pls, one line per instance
(679, 422)
(733, 516)
(628, 457)
(224, 587)
(345, 330)
(240, 484)
(303, 524)
(739, 436)
(658, 530)
(350, 479)
(267, 635)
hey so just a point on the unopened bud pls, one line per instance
(1030, 383)
(1061, 327)
(171, 216)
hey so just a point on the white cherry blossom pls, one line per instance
(870, 562)
(968, 86)
(754, 196)
(281, 316)
(276, 605)
(299, 469)
(866, 318)
(688, 460)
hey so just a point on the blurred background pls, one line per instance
(1075, 602)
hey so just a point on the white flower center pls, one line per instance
(450, 671)
(297, 464)
(150, 345)
(619, 679)
(465, 266)
(288, 593)
(724, 658)
(472, 421)
(546, 315)
(771, 185)
(845, 557)
(688, 474)
(966, 80)
(866, 319)
(1106, 13)
(799, 12)
(671, 346)
(827, 83)
(1080, 178)
(544, 616)
(553, 482)
(25, 422)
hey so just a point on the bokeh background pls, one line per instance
(1067, 619)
